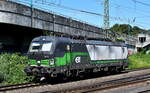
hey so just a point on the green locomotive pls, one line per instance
(51, 56)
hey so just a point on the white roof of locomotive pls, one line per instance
(68, 40)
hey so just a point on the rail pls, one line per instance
(18, 86)
(114, 84)
(83, 85)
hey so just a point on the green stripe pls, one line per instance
(45, 62)
(68, 58)
(32, 62)
(109, 61)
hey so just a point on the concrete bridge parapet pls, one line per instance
(14, 13)
(21, 15)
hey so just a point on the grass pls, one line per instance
(139, 60)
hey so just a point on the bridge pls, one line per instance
(21, 23)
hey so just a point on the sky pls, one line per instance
(133, 12)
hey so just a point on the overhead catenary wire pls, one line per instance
(82, 11)
(91, 13)
(140, 2)
(61, 6)
(45, 2)
(138, 11)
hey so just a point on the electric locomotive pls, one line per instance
(50, 56)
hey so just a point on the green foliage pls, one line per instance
(136, 30)
(12, 65)
(127, 29)
(11, 69)
(139, 60)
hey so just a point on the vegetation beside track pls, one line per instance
(11, 69)
(139, 60)
(12, 65)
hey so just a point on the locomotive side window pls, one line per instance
(60, 49)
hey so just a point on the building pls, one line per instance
(143, 43)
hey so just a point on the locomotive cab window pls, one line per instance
(37, 46)
(46, 47)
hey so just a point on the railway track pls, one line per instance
(98, 84)
(18, 86)
(113, 84)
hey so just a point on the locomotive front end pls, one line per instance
(41, 58)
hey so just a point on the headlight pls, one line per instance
(51, 62)
(38, 62)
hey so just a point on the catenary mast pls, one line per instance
(106, 14)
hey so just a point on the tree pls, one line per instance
(126, 29)
(136, 30)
